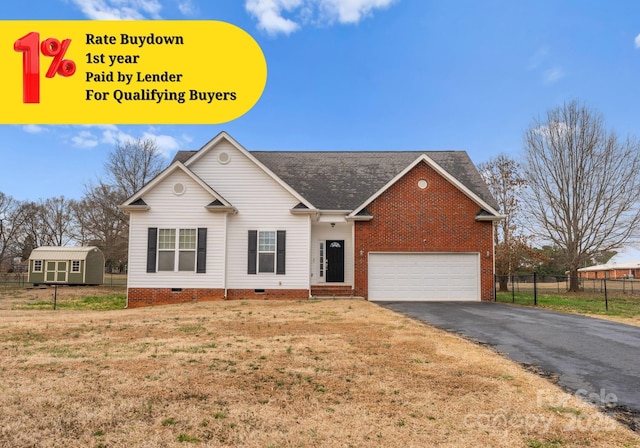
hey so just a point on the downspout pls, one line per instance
(353, 258)
(224, 257)
(128, 261)
(309, 251)
(493, 246)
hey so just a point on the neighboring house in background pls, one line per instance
(623, 265)
(226, 223)
(76, 265)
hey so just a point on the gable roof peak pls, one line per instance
(136, 200)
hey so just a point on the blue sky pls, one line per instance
(365, 75)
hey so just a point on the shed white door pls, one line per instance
(424, 277)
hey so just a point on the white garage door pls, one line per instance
(422, 277)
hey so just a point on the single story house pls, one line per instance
(227, 223)
(623, 265)
(81, 265)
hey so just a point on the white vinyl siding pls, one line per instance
(262, 204)
(169, 211)
(411, 276)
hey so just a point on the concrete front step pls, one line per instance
(337, 297)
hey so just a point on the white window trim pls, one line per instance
(161, 250)
(179, 250)
(35, 262)
(322, 254)
(274, 252)
(73, 268)
(176, 249)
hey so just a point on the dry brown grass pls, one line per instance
(272, 374)
(14, 298)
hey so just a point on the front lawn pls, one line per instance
(272, 374)
(621, 305)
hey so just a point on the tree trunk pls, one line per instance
(574, 283)
(503, 282)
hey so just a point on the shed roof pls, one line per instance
(627, 258)
(62, 253)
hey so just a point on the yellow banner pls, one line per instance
(127, 72)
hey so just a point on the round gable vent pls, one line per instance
(224, 158)
(422, 184)
(179, 189)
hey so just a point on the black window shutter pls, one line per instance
(201, 257)
(252, 257)
(281, 251)
(152, 244)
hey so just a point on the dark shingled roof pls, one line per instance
(183, 156)
(343, 180)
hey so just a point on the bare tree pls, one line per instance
(56, 221)
(49, 222)
(132, 164)
(583, 184)
(99, 220)
(12, 218)
(506, 182)
(101, 223)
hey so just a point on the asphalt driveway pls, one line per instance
(596, 359)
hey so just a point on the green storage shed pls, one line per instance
(50, 265)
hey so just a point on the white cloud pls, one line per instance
(553, 74)
(553, 130)
(111, 135)
(166, 144)
(270, 13)
(33, 129)
(85, 140)
(119, 9)
(352, 11)
(187, 8)
(91, 136)
(637, 41)
(538, 58)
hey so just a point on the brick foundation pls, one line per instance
(139, 297)
(268, 294)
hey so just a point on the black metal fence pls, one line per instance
(21, 280)
(530, 288)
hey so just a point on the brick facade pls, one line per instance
(439, 218)
(614, 274)
(139, 297)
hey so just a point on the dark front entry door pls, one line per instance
(335, 260)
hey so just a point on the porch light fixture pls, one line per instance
(333, 224)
